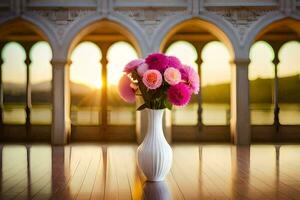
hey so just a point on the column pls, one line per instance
(61, 123)
(240, 115)
(1, 168)
(28, 106)
(104, 113)
(199, 96)
(199, 46)
(275, 93)
(1, 87)
(276, 46)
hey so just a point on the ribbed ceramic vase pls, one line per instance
(155, 155)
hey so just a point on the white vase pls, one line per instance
(154, 155)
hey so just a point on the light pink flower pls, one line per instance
(152, 79)
(172, 76)
(142, 68)
(125, 90)
(132, 65)
(191, 77)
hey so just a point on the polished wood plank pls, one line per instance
(109, 171)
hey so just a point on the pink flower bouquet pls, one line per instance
(161, 80)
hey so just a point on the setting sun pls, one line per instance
(86, 66)
(97, 83)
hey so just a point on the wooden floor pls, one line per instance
(110, 172)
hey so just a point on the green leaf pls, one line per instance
(142, 107)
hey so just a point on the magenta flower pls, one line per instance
(157, 61)
(132, 65)
(174, 62)
(172, 76)
(179, 95)
(152, 79)
(191, 77)
(125, 90)
(142, 68)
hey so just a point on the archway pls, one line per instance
(25, 92)
(200, 38)
(282, 37)
(111, 118)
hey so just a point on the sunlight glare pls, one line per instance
(86, 67)
(118, 55)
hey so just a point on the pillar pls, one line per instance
(1, 88)
(199, 96)
(1, 167)
(276, 45)
(240, 114)
(104, 111)
(199, 46)
(61, 123)
(275, 93)
(28, 106)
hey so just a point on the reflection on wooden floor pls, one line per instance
(110, 172)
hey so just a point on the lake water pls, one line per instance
(92, 115)
(213, 114)
(40, 114)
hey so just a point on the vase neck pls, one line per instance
(155, 122)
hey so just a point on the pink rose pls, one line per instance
(172, 76)
(152, 79)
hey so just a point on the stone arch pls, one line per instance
(212, 24)
(268, 23)
(120, 23)
(35, 24)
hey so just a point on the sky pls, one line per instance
(86, 68)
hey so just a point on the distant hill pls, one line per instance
(260, 91)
